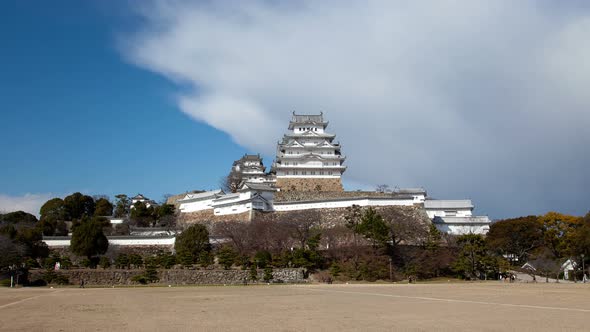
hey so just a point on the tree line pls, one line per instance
(369, 244)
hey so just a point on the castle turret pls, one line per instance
(308, 158)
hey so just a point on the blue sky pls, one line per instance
(468, 99)
(77, 117)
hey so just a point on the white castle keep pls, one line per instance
(308, 160)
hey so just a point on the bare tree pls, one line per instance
(547, 265)
(303, 225)
(231, 182)
(406, 225)
(238, 233)
(382, 188)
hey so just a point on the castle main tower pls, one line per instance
(308, 159)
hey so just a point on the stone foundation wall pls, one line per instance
(297, 196)
(113, 277)
(207, 218)
(330, 217)
(309, 184)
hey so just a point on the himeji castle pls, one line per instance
(308, 158)
(306, 174)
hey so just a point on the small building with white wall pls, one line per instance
(456, 217)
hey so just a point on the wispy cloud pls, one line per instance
(30, 203)
(479, 99)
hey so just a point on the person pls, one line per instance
(82, 283)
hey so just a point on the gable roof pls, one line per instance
(257, 187)
(316, 119)
(203, 195)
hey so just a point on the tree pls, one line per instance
(303, 225)
(253, 273)
(141, 215)
(382, 188)
(78, 205)
(103, 207)
(433, 240)
(546, 264)
(516, 238)
(373, 228)
(89, 240)
(472, 253)
(238, 234)
(262, 259)
(122, 261)
(557, 230)
(206, 259)
(53, 208)
(579, 239)
(231, 182)
(268, 274)
(52, 212)
(191, 242)
(13, 253)
(164, 215)
(406, 225)
(226, 256)
(122, 206)
(18, 217)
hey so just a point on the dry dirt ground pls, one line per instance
(488, 306)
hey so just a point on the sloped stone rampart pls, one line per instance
(309, 184)
(207, 217)
(297, 196)
(330, 217)
(113, 277)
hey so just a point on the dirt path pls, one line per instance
(481, 306)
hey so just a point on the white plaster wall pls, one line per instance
(232, 209)
(342, 204)
(120, 242)
(455, 229)
(143, 242)
(57, 243)
(196, 206)
(441, 212)
(335, 175)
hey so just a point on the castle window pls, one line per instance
(321, 172)
(312, 172)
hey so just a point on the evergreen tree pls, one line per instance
(253, 272)
(103, 207)
(89, 240)
(226, 256)
(190, 243)
(268, 274)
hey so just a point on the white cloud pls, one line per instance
(30, 203)
(479, 99)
